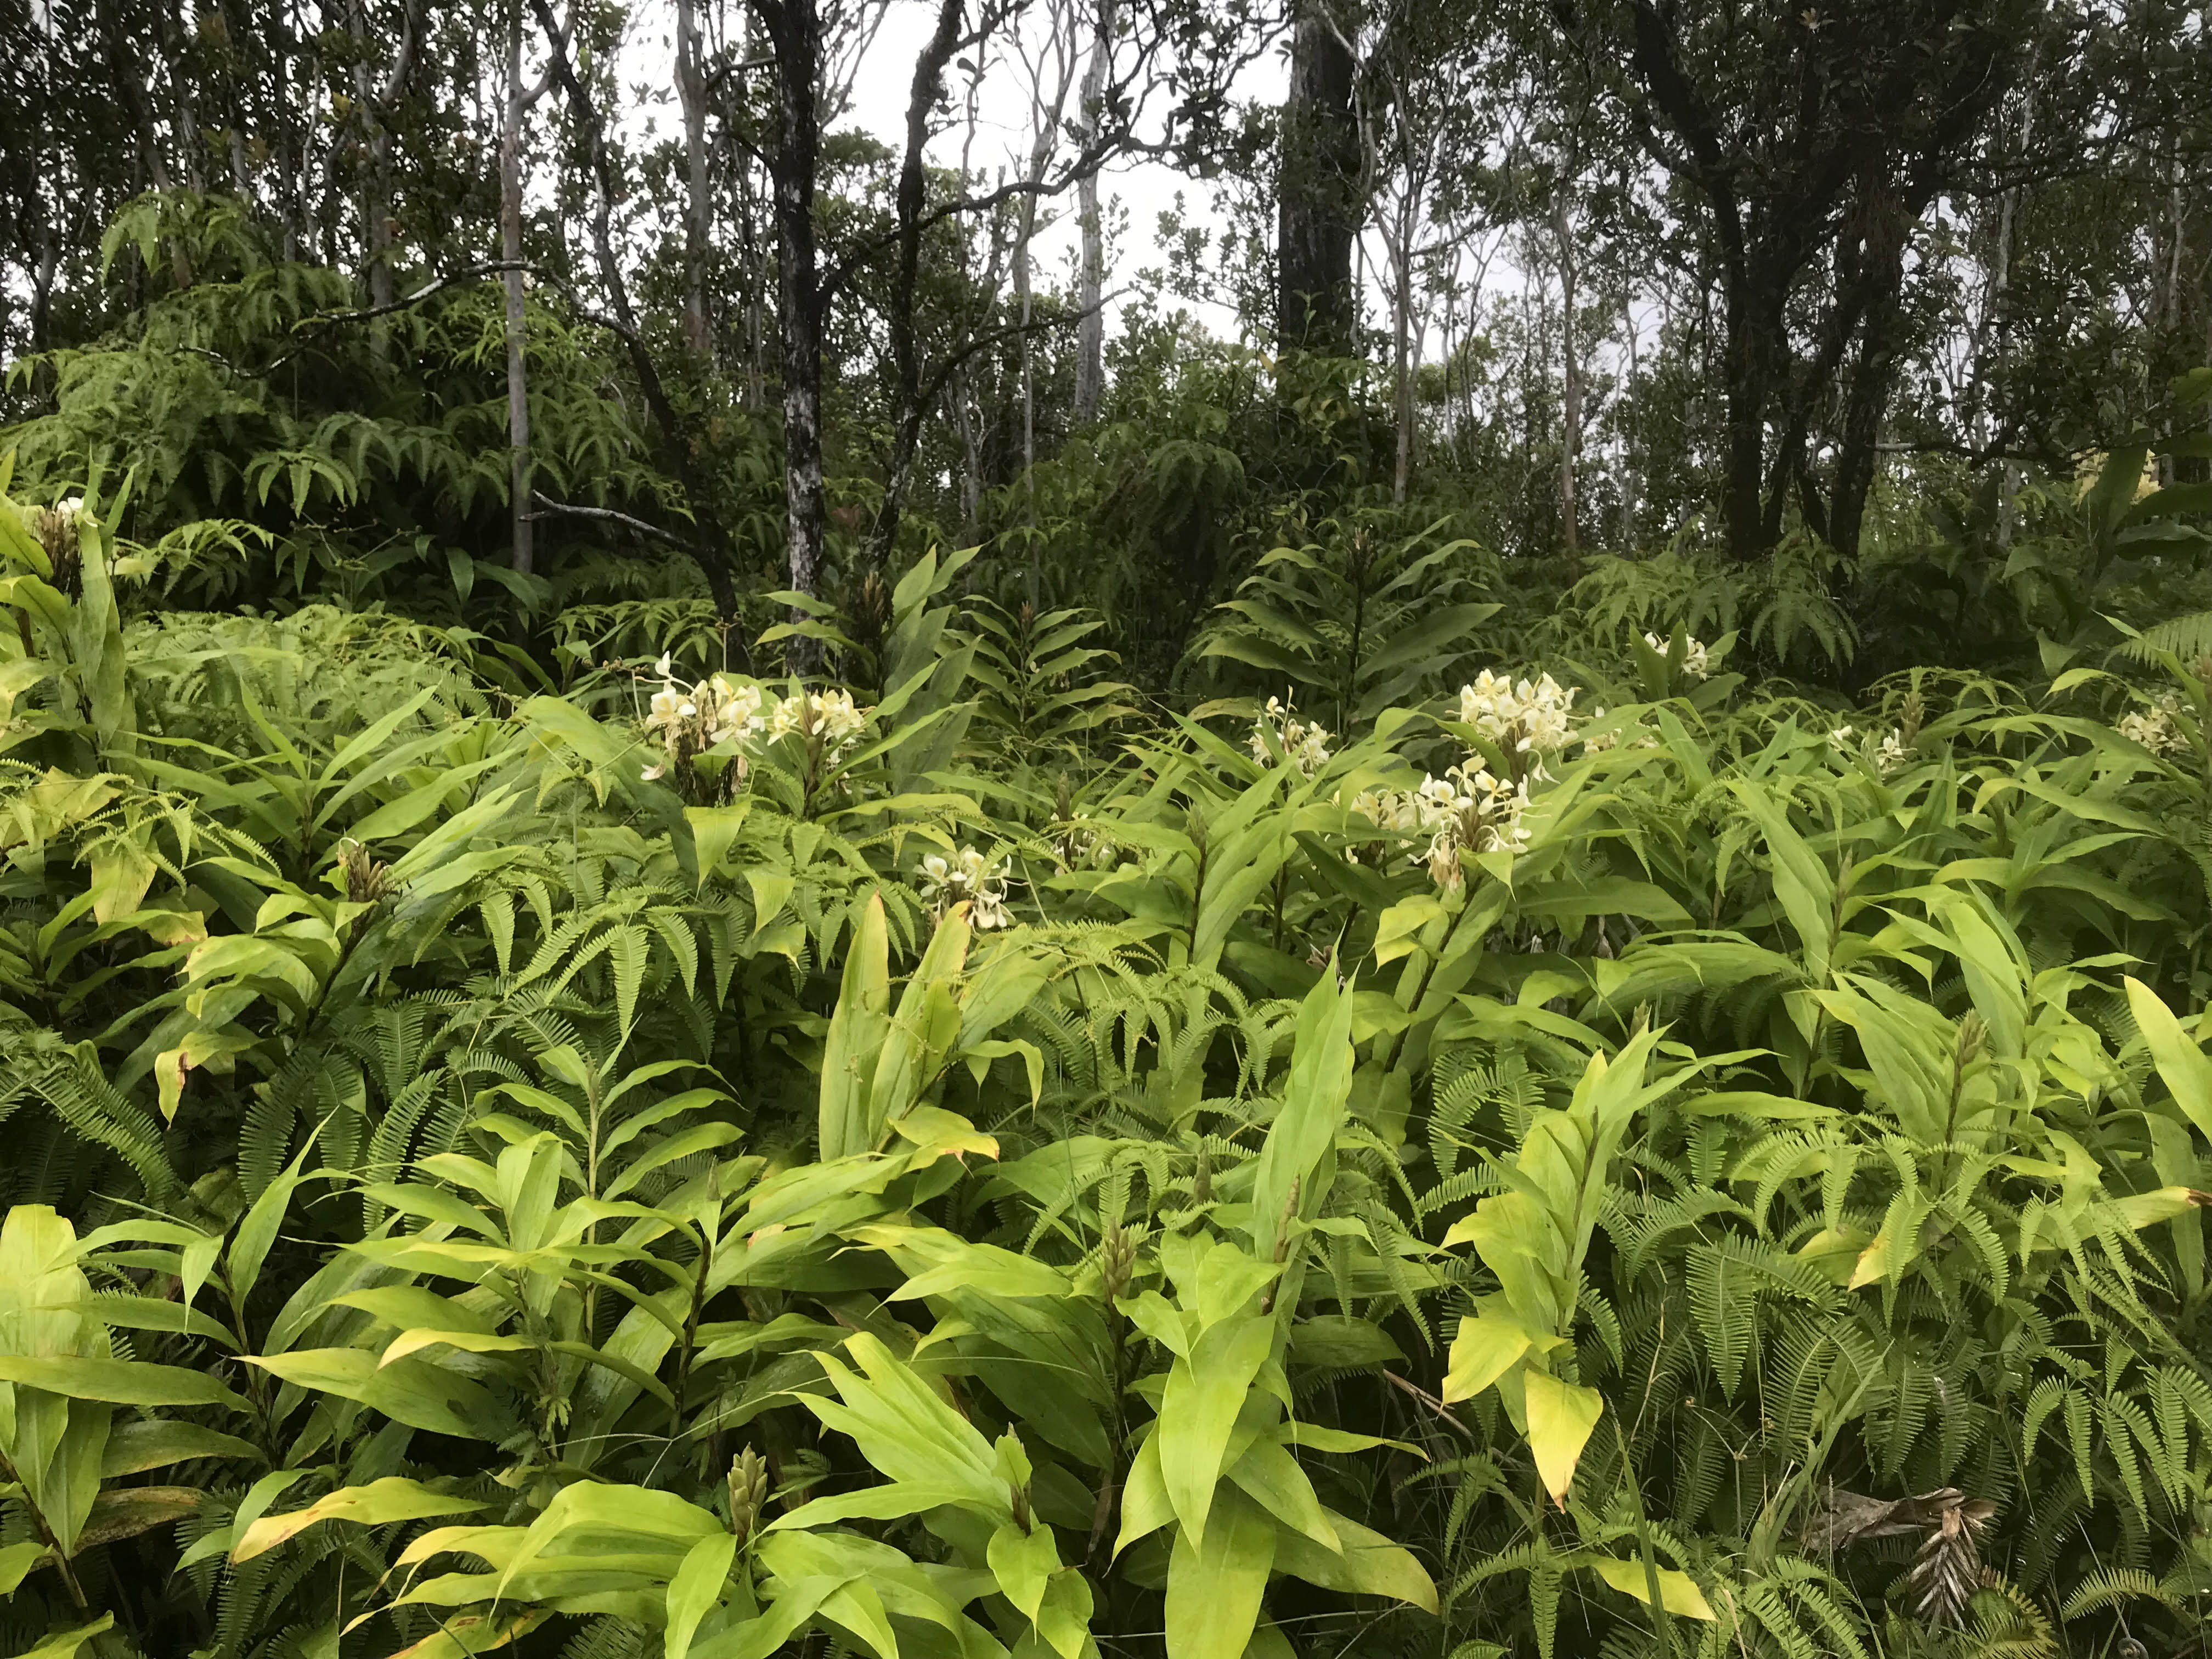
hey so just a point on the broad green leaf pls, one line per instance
(697, 1586)
(122, 1382)
(2187, 1071)
(1199, 1408)
(1215, 1585)
(1486, 1348)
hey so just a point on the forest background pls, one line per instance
(768, 890)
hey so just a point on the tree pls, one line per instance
(1805, 146)
(1317, 204)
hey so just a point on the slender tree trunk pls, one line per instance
(1090, 332)
(523, 543)
(1630, 483)
(674, 446)
(184, 119)
(794, 29)
(698, 217)
(1315, 303)
(375, 185)
(1866, 392)
(1401, 310)
(909, 412)
(1570, 387)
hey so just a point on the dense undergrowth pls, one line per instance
(1623, 1157)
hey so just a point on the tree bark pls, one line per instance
(1571, 386)
(1091, 335)
(674, 449)
(698, 216)
(928, 86)
(1315, 305)
(523, 545)
(795, 32)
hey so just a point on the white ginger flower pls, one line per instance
(830, 715)
(1303, 744)
(1524, 719)
(967, 877)
(1695, 662)
(2154, 728)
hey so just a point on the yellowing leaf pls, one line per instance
(1214, 1587)
(381, 1501)
(1560, 1417)
(1678, 1591)
(1486, 1347)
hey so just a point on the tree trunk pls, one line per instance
(698, 217)
(674, 446)
(1090, 332)
(1867, 394)
(908, 408)
(1401, 316)
(794, 29)
(1316, 304)
(1571, 388)
(523, 544)
(376, 180)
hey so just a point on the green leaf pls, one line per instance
(858, 1030)
(391, 1498)
(67, 1644)
(1304, 1133)
(134, 1448)
(121, 1381)
(1199, 1408)
(1369, 1564)
(2184, 1065)
(1215, 1586)
(1486, 1348)
(18, 1561)
(696, 1588)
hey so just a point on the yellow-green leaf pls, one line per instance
(1560, 1417)
(1678, 1591)
(391, 1498)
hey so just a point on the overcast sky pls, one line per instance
(1144, 188)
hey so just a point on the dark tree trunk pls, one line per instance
(523, 550)
(1090, 332)
(794, 30)
(673, 444)
(913, 196)
(698, 214)
(1316, 215)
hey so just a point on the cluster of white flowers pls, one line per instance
(1695, 662)
(1080, 844)
(1467, 808)
(1304, 744)
(2154, 728)
(829, 715)
(1523, 719)
(56, 528)
(690, 719)
(1598, 743)
(1893, 754)
(967, 877)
